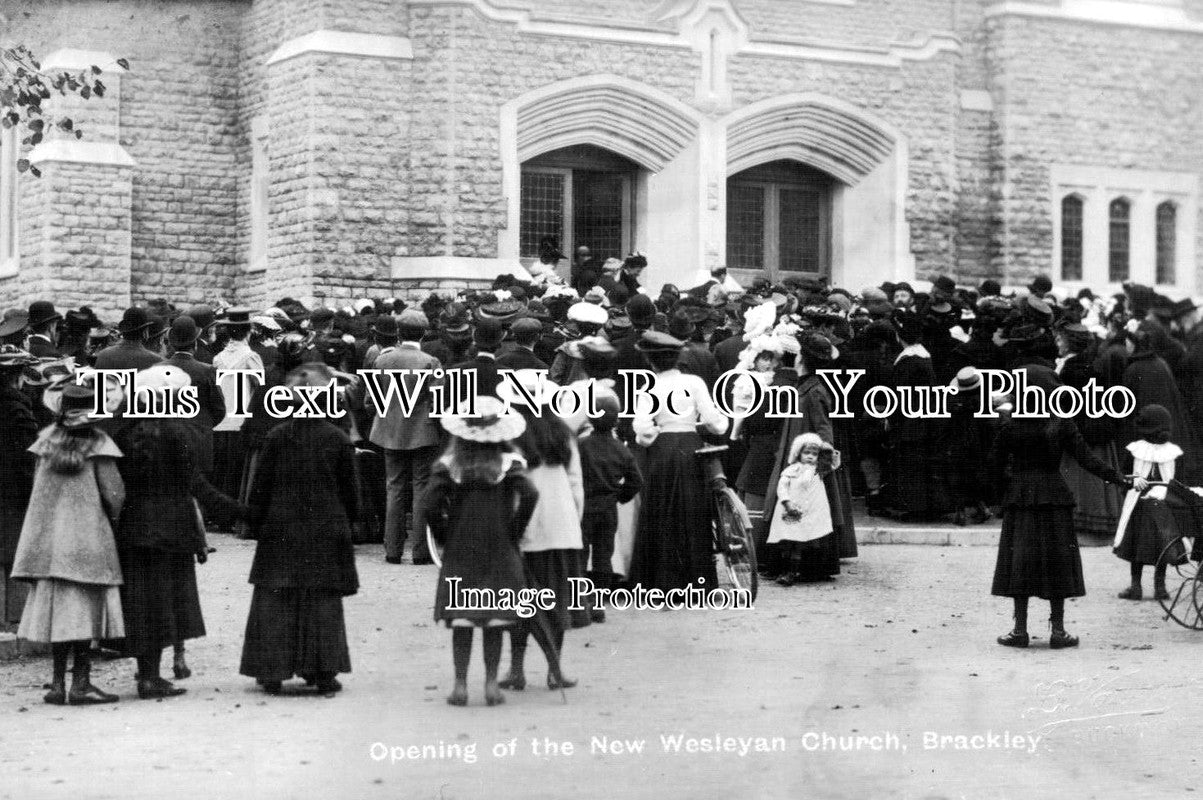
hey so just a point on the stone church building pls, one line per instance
(368, 148)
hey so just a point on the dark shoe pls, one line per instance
(57, 696)
(1133, 592)
(1159, 593)
(158, 689)
(329, 686)
(980, 515)
(554, 682)
(788, 579)
(392, 559)
(271, 687)
(86, 694)
(1015, 639)
(597, 615)
(421, 562)
(179, 668)
(1060, 640)
(514, 684)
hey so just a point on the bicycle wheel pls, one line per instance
(737, 553)
(1185, 603)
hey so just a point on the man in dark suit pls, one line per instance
(487, 338)
(410, 441)
(130, 352)
(43, 326)
(182, 339)
(526, 332)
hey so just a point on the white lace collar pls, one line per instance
(1156, 453)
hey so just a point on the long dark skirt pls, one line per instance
(551, 569)
(294, 632)
(1038, 554)
(1151, 528)
(674, 547)
(160, 599)
(1098, 504)
(839, 491)
(815, 560)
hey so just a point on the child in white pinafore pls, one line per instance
(802, 518)
(1147, 524)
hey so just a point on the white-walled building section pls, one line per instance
(262, 148)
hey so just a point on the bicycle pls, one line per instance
(731, 526)
(1181, 560)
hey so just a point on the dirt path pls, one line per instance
(900, 648)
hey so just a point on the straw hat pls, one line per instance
(488, 425)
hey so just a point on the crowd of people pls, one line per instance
(105, 518)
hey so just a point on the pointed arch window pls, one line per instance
(1119, 240)
(1167, 242)
(1071, 238)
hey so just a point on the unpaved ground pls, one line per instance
(902, 644)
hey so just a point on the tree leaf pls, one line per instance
(121, 62)
(36, 139)
(79, 134)
(95, 70)
(85, 91)
(34, 171)
(22, 164)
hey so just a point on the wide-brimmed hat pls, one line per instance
(15, 321)
(1154, 424)
(135, 318)
(501, 310)
(42, 311)
(657, 342)
(454, 318)
(184, 332)
(588, 313)
(968, 379)
(14, 358)
(490, 423)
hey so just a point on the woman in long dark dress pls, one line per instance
(302, 503)
(673, 548)
(160, 535)
(815, 404)
(1038, 551)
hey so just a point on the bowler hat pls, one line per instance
(41, 312)
(134, 319)
(203, 315)
(680, 325)
(488, 333)
(184, 332)
(945, 284)
(386, 327)
(817, 346)
(1040, 285)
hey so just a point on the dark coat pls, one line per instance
(302, 502)
(126, 355)
(212, 405)
(520, 358)
(41, 347)
(479, 526)
(1038, 549)
(487, 379)
(1190, 380)
(18, 430)
(1150, 379)
(696, 359)
(161, 477)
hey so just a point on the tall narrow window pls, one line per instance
(1071, 238)
(260, 183)
(778, 219)
(1119, 241)
(745, 227)
(8, 201)
(1167, 241)
(582, 196)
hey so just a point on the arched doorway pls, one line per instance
(829, 177)
(779, 220)
(578, 195)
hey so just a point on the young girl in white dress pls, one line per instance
(802, 518)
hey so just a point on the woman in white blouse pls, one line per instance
(673, 548)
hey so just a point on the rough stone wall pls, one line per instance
(177, 105)
(1068, 93)
(337, 150)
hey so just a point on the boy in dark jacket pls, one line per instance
(611, 477)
